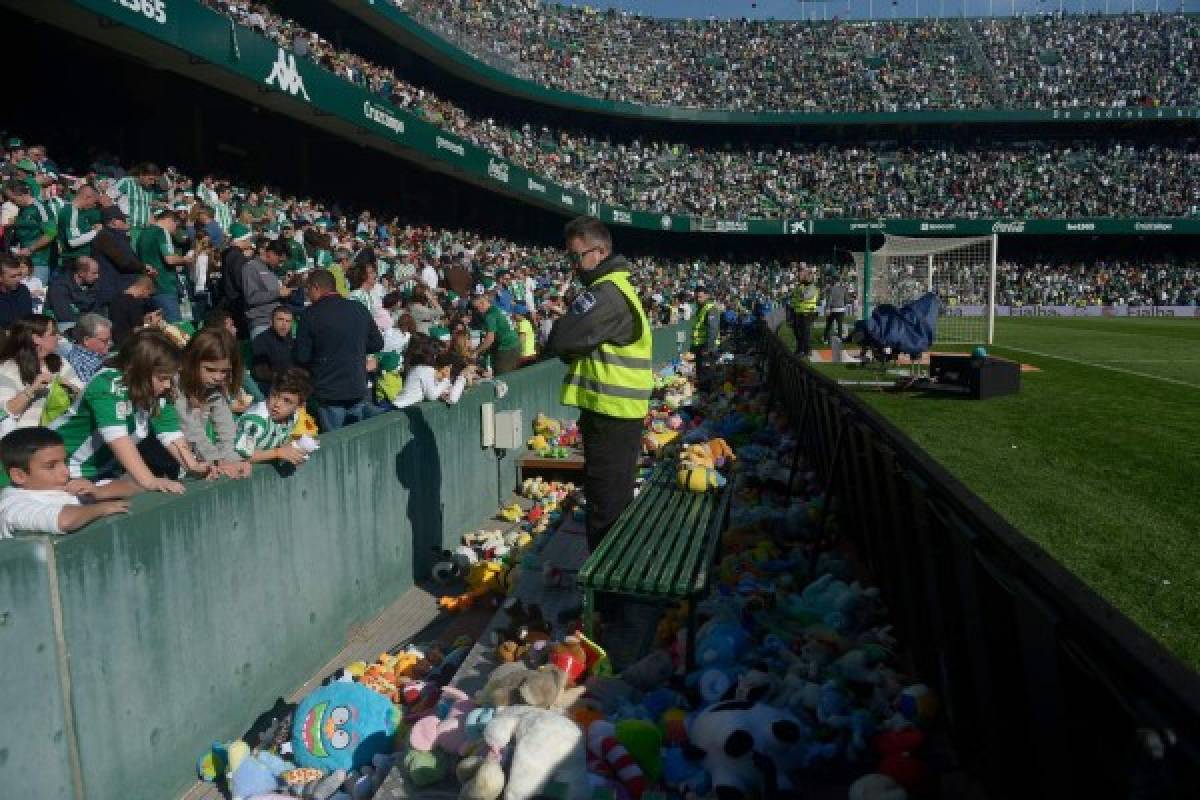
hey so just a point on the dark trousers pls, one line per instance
(802, 325)
(834, 318)
(506, 360)
(611, 447)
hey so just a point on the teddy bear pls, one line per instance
(545, 687)
(719, 451)
(542, 748)
(446, 728)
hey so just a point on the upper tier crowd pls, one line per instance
(877, 179)
(1042, 61)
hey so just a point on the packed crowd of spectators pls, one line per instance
(1117, 281)
(1041, 61)
(1094, 60)
(1029, 179)
(155, 325)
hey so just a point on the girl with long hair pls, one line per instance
(121, 408)
(210, 379)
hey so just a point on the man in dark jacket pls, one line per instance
(272, 349)
(15, 300)
(332, 342)
(606, 342)
(73, 294)
(119, 265)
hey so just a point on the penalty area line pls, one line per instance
(1083, 363)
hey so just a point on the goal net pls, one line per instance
(960, 271)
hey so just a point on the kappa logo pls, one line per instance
(594, 208)
(286, 76)
(666, 222)
(799, 226)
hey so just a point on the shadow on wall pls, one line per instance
(419, 469)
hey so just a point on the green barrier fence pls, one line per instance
(411, 33)
(306, 91)
(183, 620)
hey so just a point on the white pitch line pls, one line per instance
(1081, 362)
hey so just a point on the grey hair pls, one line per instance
(89, 324)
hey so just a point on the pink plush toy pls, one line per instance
(446, 728)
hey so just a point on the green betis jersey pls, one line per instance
(32, 223)
(103, 413)
(74, 224)
(153, 246)
(256, 431)
(135, 201)
(497, 322)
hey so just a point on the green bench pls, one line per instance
(661, 549)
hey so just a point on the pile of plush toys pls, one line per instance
(553, 438)
(491, 561)
(796, 680)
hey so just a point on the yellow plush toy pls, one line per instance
(511, 513)
(700, 479)
(537, 442)
(696, 456)
(305, 424)
(484, 578)
(546, 426)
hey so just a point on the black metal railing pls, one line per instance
(1047, 690)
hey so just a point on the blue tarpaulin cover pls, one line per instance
(909, 329)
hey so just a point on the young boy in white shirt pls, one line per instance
(43, 497)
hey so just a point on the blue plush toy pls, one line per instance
(343, 726)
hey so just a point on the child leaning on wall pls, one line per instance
(264, 432)
(43, 498)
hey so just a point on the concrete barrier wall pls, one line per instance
(185, 619)
(34, 754)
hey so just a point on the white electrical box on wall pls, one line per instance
(487, 424)
(509, 430)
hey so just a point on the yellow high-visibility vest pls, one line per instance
(614, 380)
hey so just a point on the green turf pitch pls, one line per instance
(1097, 459)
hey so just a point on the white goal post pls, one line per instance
(960, 271)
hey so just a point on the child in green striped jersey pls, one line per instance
(265, 430)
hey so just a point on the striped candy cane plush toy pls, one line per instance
(602, 743)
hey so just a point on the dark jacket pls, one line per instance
(126, 313)
(597, 315)
(119, 265)
(15, 304)
(67, 300)
(332, 341)
(270, 353)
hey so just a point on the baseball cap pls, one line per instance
(239, 232)
(110, 213)
(27, 165)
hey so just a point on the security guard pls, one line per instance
(805, 297)
(706, 330)
(606, 341)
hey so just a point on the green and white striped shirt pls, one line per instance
(103, 413)
(75, 232)
(256, 431)
(133, 200)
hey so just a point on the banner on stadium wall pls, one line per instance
(1185, 312)
(209, 36)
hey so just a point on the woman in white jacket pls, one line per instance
(429, 374)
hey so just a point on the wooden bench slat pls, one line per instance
(651, 514)
(694, 575)
(662, 575)
(596, 572)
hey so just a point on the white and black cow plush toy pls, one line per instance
(748, 749)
